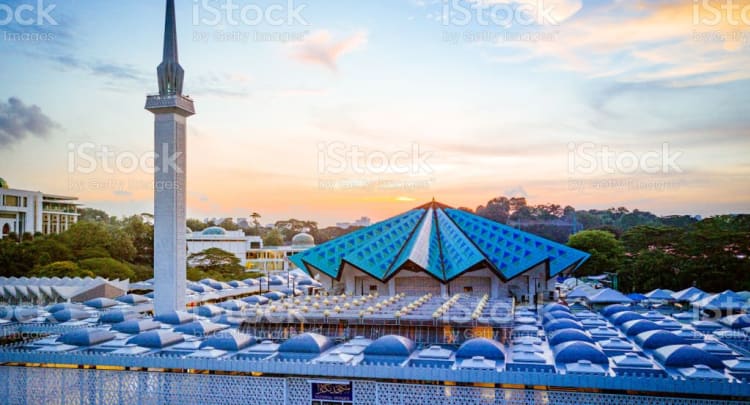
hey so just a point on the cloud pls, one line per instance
(646, 42)
(320, 48)
(19, 121)
(544, 12)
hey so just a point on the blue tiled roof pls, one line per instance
(444, 242)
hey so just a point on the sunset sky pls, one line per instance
(643, 104)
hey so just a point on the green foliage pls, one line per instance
(606, 251)
(215, 263)
(196, 225)
(107, 268)
(273, 238)
(142, 272)
(61, 269)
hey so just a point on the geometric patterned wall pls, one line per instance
(26, 385)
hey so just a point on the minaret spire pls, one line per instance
(171, 74)
(171, 110)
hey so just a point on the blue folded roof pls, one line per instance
(443, 242)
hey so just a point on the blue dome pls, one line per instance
(558, 324)
(156, 339)
(487, 348)
(306, 343)
(686, 356)
(18, 314)
(175, 318)
(214, 231)
(552, 315)
(132, 299)
(68, 315)
(573, 352)
(614, 308)
(625, 316)
(736, 321)
(117, 316)
(568, 335)
(101, 303)
(231, 342)
(391, 345)
(655, 339)
(65, 305)
(208, 310)
(86, 337)
(637, 326)
(134, 326)
(554, 306)
(200, 328)
(256, 299)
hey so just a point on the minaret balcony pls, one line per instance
(171, 103)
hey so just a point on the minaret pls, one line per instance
(171, 110)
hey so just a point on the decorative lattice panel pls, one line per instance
(20, 385)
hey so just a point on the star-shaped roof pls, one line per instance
(442, 241)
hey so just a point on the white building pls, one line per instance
(249, 249)
(362, 222)
(23, 211)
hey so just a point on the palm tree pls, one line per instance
(255, 216)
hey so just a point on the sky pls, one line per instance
(331, 110)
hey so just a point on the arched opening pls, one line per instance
(6, 229)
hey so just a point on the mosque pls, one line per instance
(422, 308)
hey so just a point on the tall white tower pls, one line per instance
(171, 110)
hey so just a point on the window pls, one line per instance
(468, 289)
(11, 201)
(373, 288)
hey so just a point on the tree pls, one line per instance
(606, 252)
(92, 215)
(229, 225)
(108, 268)
(273, 238)
(215, 263)
(142, 235)
(61, 269)
(497, 209)
(196, 225)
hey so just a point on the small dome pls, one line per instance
(3, 183)
(625, 316)
(391, 345)
(486, 348)
(568, 335)
(552, 315)
(655, 339)
(303, 240)
(686, 356)
(214, 231)
(558, 324)
(574, 351)
(614, 308)
(306, 343)
(637, 326)
(188, 230)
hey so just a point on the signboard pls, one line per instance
(332, 391)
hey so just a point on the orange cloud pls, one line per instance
(320, 48)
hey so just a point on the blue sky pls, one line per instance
(516, 106)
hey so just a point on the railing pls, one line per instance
(288, 367)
